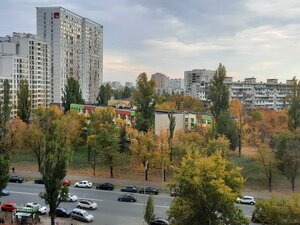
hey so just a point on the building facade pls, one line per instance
(14, 69)
(76, 50)
(37, 52)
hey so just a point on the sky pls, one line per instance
(250, 37)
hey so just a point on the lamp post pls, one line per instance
(163, 166)
(145, 168)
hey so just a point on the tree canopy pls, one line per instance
(71, 94)
(104, 95)
(24, 101)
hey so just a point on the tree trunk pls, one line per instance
(89, 153)
(164, 175)
(52, 219)
(293, 184)
(270, 178)
(111, 172)
(146, 175)
(171, 153)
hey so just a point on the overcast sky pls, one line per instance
(251, 37)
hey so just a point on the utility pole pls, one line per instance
(163, 167)
(145, 169)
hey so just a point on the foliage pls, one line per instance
(177, 102)
(123, 138)
(218, 93)
(6, 108)
(122, 93)
(208, 187)
(104, 95)
(24, 102)
(143, 151)
(56, 160)
(278, 211)
(294, 106)
(287, 152)
(104, 138)
(4, 172)
(172, 125)
(227, 126)
(237, 110)
(144, 98)
(149, 213)
(71, 94)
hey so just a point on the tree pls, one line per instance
(144, 98)
(105, 141)
(24, 104)
(294, 106)
(4, 172)
(237, 109)
(287, 152)
(123, 138)
(57, 157)
(71, 94)
(6, 104)
(227, 126)
(172, 124)
(143, 151)
(218, 93)
(149, 213)
(104, 95)
(207, 187)
(126, 93)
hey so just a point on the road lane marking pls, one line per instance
(158, 206)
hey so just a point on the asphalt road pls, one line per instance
(109, 212)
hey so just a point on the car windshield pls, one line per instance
(85, 214)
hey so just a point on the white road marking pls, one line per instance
(158, 206)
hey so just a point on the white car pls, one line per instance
(86, 204)
(42, 209)
(82, 215)
(70, 198)
(246, 200)
(83, 184)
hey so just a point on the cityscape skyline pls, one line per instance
(254, 38)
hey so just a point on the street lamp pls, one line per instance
(162, 167)
(145, 169)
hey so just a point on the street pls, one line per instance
(109, 212)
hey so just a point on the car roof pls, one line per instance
(9, 203)
(247, 196)
(78, 210)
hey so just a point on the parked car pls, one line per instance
(130, 188)
(83, 184)
(9, 206)
(39, 181)
(70, 198)
(127, 198)
(246, 200)
(149, 190)
(16, 179)
(82, 215)
(105, 186)
(4, 192)
(42, 209)
(63, 212)
(160, 221)
(66, 182)
(86, 204)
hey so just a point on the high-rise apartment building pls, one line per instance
(77, 50)
(14, 69)
(38, 54)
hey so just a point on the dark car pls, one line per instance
(160, 221)
(105, 186)
(127, 198)
(4, 192)
(149, 190)
(16, 179)
(129, 188)
(63, 212)
(39, 181)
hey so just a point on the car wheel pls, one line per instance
(120, 199)
(251, 203)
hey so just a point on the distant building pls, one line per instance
(115, 84)
(77, 50)
(161, 82)
(37, 52)
(129, 84)
(14, 69)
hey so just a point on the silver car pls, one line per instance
(82, 215)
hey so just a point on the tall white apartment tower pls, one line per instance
(77, 50)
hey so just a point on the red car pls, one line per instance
(9, 206)
(66, 182)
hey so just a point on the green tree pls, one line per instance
(71, 94)
(287, 152)
(218, 93)
(123, 138)
(104, 95)
(144, 98)
(227, 126)
(4, 172)
(54, 169)
(294, 106)
(149, 213)
(24, 102)
(126, 93)
(207, 187)
(106, 138)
